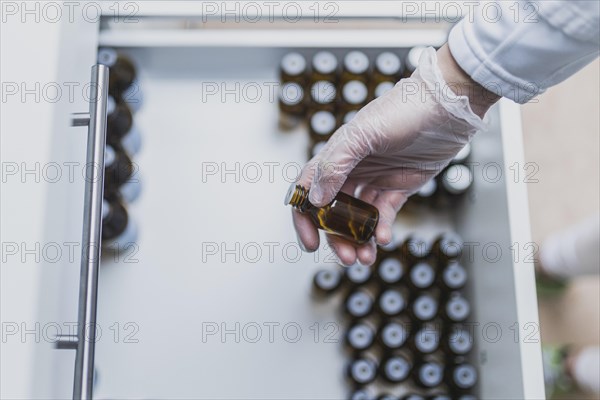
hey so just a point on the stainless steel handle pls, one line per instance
(85, 340)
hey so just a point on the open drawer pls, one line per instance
(214, 301)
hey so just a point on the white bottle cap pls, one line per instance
(109, 156)
(324, 62)
(317, 148)
(356, 62)
(457, 179)
(131, 190)
(107, 56)
(322, 123)
(293, 64)
(355, 92)
(291, 93)
(428, 189)
(323, 92)
(133, 96)
(349, 115)
(463, 154)
(126, 239)
(388, 63)
(412, 59)
(383, 88)
(111, 105)
(105, 208)
(132, 141)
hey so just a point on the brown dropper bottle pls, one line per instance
(346, 216)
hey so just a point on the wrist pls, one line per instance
(461, 84)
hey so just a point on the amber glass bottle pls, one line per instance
(346, 216)
(122, 70)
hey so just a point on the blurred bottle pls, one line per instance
(382, 88)
(315, 148)
(457, 308)
(348, 116)
(426, 340)
(357, 275)
(461, 377)
(388, 68)
(390, 271)
(118, 231)
(392, 302)
(424, 307)
(354, 96)
(324, 67)
(292, 107)
(447, 247)
(359, 304)
(426, 196)
(415, 248)
(463, 155)
(428, 374)
(456, 179)
(387, 396)
(458, 341)
(122, 70)
(327, 281)
(360, 336)
(132, 141)
(412, 396)
(363, 394)
(422, 276)
(356, 66)
(324, 96)
(412, 60)
(453, 277)
(119, 120)
(362, 370)
(118, 169)
(131, 190)
(395, 368)
(393, 334)
(293, 68)
(322, 125)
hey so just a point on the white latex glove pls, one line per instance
(386, 152)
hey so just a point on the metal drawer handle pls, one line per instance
(84, 341)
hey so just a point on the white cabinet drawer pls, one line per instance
(215, 302)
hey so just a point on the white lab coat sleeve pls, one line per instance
(517, 49)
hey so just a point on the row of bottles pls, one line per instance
(122, 184)
(407, 320)
(327, 92)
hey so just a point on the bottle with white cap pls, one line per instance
(463, 155)
(118, 169)
(293, 68)
(426, 193)
(321, 126)
(122, 70)
(291, 105)
(118, 230)
(356, 66)
(354, 96)
(382, 88)
(119, 120)
(323, 96)
(388, 68)
(315, 148)
(412, 59)
(456, 179)
(324, 67)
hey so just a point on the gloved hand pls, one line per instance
(390, 148)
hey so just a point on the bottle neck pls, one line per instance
(297, 197)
